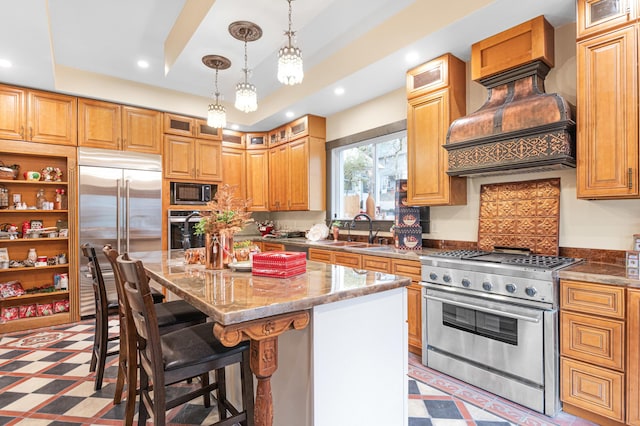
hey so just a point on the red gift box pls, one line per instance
(279, 264)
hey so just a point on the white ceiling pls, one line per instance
(359, 45)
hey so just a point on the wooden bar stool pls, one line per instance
(174, 357)
(171, 316)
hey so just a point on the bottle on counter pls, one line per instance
(57, 203)
(371, 207)
(41, 199)
(32, 255)
(64, 200)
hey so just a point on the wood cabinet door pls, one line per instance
(272, 246)
(591, 339)
(179, 125)
(298, 180)
(99, 124)
(414, 318)
(256, 140)
(319, 255)
(208, 160)
(204, 131)
(594, 389)
(52, 118)
(428, 120)
(233, 170)
(633, 357)
(376, 263)
(607, 128)
(141, 130)
(178, 158)
(257, 177)
(278, 178)
(590, 298)
(13, 113)
(412, 269)
(601, 15)
(351, 260)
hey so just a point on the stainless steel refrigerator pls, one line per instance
(120, 203)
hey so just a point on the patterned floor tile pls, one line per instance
(45, 380)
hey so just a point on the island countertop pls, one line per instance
(230, 297)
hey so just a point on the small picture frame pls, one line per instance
(17, 198)
(636, 242)
(4, 254)
(36, 224)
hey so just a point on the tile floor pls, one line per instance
(45, 380)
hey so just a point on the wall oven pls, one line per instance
(491, 320)
(178, 219)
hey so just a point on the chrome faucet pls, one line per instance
(366, 216)
(186, 235)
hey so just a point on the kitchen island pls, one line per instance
(339, 332)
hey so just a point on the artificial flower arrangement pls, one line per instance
(225, 214)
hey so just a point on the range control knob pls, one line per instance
(487, 286)
(446, 278)
(511, 288)
(433, 276)
(466, 282)
(531, 291)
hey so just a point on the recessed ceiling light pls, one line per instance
(143, 64)
(235, 126)
(412, 57)
(339, 91)
(289, 114)
(5, 63)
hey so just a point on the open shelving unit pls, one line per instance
(36, 156)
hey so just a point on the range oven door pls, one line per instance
(490, 334)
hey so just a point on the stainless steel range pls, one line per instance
(491, 320)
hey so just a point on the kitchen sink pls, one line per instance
(341, 243)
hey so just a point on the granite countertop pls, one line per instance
(384, 250)
(603, 273)
(230, 297)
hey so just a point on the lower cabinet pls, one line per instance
(595, 363)
(633, 357)
(272, 246)
(407, 268)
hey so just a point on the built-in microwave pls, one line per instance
(192, 193)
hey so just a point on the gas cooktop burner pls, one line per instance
(519, 259)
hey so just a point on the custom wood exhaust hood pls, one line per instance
(520, 128)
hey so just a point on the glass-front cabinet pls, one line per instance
(600, 15)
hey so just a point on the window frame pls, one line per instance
(352, 141)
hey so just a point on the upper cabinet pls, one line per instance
(596, 16)
(607, 98)
(192, 159)
(256, 140)
(112, 126)
(436, 97)
(36, 116)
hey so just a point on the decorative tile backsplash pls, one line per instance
(520, 214)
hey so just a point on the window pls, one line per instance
(364, 169)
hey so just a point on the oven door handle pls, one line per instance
(486, 310)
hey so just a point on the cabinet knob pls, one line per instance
(22, 132)
(30, 132)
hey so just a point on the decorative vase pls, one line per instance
(336, 232)
(218, 250)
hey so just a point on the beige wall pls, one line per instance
(602, 224)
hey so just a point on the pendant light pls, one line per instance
(290, 69)
(246, 94)
(217, 114)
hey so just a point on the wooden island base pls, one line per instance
(263, 334)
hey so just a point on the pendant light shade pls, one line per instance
(246, 93)
(217, 114)
(290, 68)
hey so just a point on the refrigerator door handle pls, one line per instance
(118, 210)
(127, 209)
